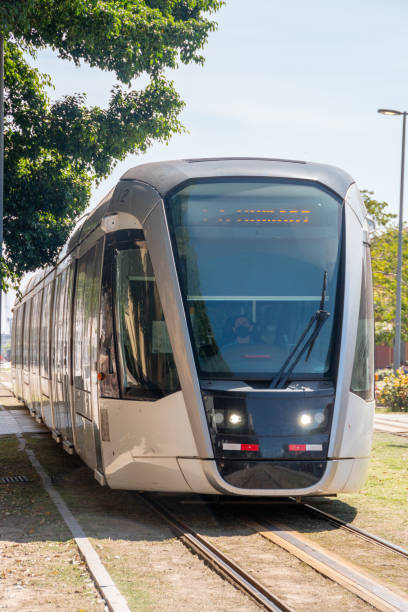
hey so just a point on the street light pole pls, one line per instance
(397, 344)
(1, 162)
(397, 339)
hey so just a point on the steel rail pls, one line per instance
(218, 560)
(331, 566)
(362, 533)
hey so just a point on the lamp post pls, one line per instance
(1, 161)
(397, 340)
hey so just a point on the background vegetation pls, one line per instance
(54, 151)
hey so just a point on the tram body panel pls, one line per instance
(354, 200)
(16, 369)
(35, 382)
(158, 240)
(85, 349)
(166, 175)
(26, 392)
(357, 435)
(146, 474)
(353, 415)
(356, 476)
(135, 199)
(203, 477)
(138, 434)
(351, 303)
(61, 350)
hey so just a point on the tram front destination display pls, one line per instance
(212, 331)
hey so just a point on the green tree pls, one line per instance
(377, 210)
(384, 249)
(54, 151)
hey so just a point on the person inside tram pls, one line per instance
(242, 330)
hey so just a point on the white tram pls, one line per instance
(209, 328)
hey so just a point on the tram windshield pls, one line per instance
(251, 256)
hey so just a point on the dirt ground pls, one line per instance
(40, 568)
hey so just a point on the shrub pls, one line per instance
(394, 392)
(381, 374)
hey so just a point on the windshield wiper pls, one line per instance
(305, 342)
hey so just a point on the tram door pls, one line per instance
(61, 353)
(85, 355)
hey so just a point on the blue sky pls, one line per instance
(300, 80)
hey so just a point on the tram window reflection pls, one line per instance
(147, 363)
(256, 251)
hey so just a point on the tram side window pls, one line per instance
(56, 326)
(35, 325)
(26, 337)
(147, 364)
(13, 342)
(85, 318)
(362, 380)
(45, 332)
(60, 321)
(18, 337)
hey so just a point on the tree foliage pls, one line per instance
(55, 150)
(384, 253)
(384, 250)
(377, 210)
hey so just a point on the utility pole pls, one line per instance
(397, 339)
(397, 345)
(1, 162)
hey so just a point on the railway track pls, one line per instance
(218, 560)
(333, 567)
(362, 533)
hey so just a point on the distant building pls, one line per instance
(384, 355)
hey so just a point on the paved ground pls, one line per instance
(392, 422)
(14, 417)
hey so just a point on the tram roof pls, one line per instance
(165, 176)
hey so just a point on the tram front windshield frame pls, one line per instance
(251, 256)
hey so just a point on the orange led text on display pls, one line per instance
(261, 216)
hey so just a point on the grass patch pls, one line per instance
(381, 505)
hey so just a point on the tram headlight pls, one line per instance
(234, 418)
(305, 419)
(315, 419)
(229, 420)
(218, 418)
(227, 414)
(319, 417)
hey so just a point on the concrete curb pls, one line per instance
(101, 577)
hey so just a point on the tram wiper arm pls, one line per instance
(305, 342)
